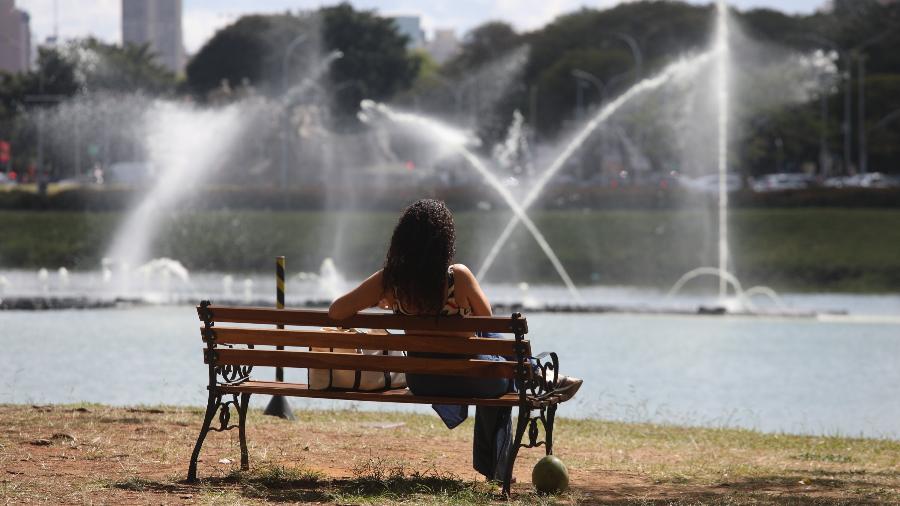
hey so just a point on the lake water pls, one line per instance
(826, 375)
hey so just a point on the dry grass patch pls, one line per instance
(98, 454)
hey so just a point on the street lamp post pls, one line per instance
(846, 128)
(824, 158)
(861, 77)
(458, 90)
(884, 121)
(583, 76)
(635, 52)
(285, 60)
(42, 99)
(863, 148)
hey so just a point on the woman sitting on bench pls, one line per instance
(418, 278)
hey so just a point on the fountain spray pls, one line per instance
(722, 53)
(678, 69)
(455, 139)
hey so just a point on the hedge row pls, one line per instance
(459, 198)
(799, 249)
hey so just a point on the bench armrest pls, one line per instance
(541, 375)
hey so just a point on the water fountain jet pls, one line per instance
(451, 137)
(685, 67)
(722, 52)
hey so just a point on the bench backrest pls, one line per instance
(221, 339)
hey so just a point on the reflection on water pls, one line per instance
(792, 375)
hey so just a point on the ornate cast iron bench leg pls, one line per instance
(548, 429)
(242, 431)
(211, 407)
(522, 418)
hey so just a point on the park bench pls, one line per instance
(233, 351)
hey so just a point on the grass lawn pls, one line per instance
(97, 454)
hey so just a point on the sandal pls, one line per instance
(566, 386)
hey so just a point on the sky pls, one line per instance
(201, 18)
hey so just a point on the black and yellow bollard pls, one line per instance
(278, 405)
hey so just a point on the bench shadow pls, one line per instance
(300, 490)
(378, 484)
(279, 484)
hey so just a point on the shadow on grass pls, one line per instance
(379, 481)
(374, 481)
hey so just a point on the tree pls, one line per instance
(245, 49)
(482, 45)
(108, 67)
(375, 63)
(55, 75)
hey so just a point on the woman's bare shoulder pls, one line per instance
(469, 293)
(462, 270)
(463, 275)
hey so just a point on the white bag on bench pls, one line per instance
(324, 379)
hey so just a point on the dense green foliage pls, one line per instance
(254, 50)
(805, 249)
(375, 63)
(599, 42)
(239, 52)
(84, 66)
(79, 67)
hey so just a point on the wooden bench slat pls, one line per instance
(350, 361)
(319, 318)
(401, 395)
(400, 342)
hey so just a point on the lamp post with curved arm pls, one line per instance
(848, 55)
(285, 60)
(856, 52)
(583, 76)
(603, 89)
(845, 75)
(635, 52)
(455, 90)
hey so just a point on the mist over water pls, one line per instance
(186, 143)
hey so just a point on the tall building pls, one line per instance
(444, 46)
(157, 22)
(15, 38)
(411, 27)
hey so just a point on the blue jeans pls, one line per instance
(493, 425)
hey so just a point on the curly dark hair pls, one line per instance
(422, 248)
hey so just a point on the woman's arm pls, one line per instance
(468, 292)
(368, 294)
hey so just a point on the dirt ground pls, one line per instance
(100, 455)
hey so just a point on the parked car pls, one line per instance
(868, 180)
(783, 181)
(130, 172)
(879, 180)
(841, 182)
(710, 183)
